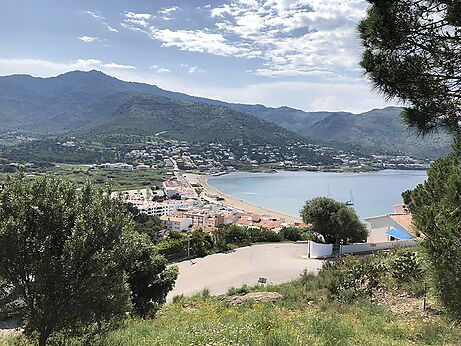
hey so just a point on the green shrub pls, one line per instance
(355, 277)
(291, 233)
(264, 235)
(239, 290)
(226, 235)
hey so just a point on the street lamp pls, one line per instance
(188, 245)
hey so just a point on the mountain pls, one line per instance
(62, 103)
(379, 130)
(77, 99)
(186, 120)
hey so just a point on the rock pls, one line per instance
(259, 297)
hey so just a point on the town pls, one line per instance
(216, 157)
(183, 208)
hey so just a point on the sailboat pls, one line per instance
(350, 201)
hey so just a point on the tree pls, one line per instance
(68, 255)
(201, 243)
(413, 53)
(333, 220)
(150, 225)
(148, 276)
(436, 209)
(231, 234)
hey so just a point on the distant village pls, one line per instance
(215, 157)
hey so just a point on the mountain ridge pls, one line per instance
(76, 99)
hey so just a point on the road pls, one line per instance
(278, 262)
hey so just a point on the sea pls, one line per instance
(372, 193)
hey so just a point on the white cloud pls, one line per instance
(102, 20)
(136, 19)
(291, 37)
(192, 69)
(88, 39)
(197, 41)
(295, 37)
(159, 69)
(118, 66)
(168, 10)
(132, 15)
(95, 15)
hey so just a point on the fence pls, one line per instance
(369, 247)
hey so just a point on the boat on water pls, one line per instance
(350, 202)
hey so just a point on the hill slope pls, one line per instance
(77, 99)
(184, 120)
(380, 130)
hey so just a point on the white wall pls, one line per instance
(316, 250)
(367, 247)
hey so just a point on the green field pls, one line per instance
(300, 318)
(117, 179)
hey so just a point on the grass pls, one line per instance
(206, 320)
(209, 321)
(310, 313)
(119, 179)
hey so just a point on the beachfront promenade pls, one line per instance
(234, 202)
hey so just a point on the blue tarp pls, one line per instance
(402, 235)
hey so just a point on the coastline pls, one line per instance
(234, 202)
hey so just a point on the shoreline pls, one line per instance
(237, 203)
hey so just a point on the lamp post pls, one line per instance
(188, 247)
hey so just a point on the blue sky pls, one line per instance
(298, 53)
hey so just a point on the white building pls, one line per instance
(165, 208)
(389, 227)
(178, 224)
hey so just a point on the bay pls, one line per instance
(373, 193)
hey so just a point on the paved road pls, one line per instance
(279, 262)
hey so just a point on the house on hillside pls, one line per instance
(394, 226)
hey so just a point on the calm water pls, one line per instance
(373, 193)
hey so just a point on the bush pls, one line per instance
(201, 243)
(173, 247)
(239, 290)
(353, 277)
(231, 234)
(405, 268)
(291, 233)
(264, 235)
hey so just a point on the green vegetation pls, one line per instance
(189, 121)
(74, 258)
(334, 221)
(229, 237)
(435, 206)
(117, 179)
(412, 53)
(78, 99)
(310, 312)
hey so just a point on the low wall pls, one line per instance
(369, 247)
(316, 250)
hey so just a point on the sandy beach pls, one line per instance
(234, 202)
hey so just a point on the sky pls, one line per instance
(299, 53)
